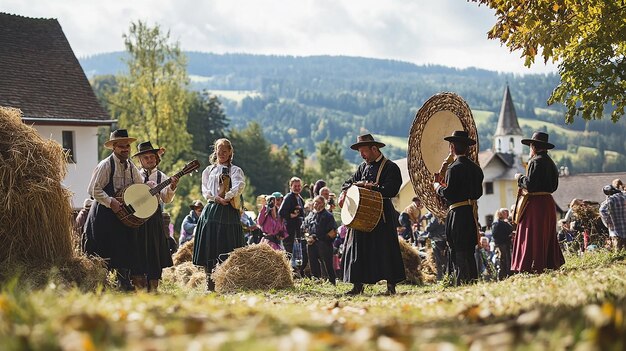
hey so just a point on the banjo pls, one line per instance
(138, 201)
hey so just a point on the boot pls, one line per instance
(210, 284)
(139, 282)
(391, 289)
(153, 285)
(123, 280)
(357, 289)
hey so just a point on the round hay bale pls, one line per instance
(253, 267)
(35, 212)
(185, 275)
(184, 253)
(412, 262)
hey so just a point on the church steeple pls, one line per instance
(508, 133)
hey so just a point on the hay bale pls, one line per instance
(253, 267)
(35, 212)
(184, 253)
(412, 262)
(429, 266)
(185, 275)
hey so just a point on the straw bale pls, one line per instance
(35, 214)
(184, 253)
(253, 267)
(412, 262)
(429, 266)
(185, 274)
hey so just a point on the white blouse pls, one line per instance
(211, 182)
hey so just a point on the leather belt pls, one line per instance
(459, 204)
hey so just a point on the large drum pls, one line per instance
(362, 208)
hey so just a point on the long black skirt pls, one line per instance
(150, 248)
(106, 236)
(373, 256)
(218, 232)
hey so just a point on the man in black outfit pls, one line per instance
(462, 187)
(322, 232)
(373, 256)
(292, 210)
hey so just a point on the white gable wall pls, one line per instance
(85, 154)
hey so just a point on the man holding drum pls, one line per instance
(462, 186)
(375, 255)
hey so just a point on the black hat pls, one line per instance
(540, 139)
(609, 190)
(118, 135)
(146, 147)
(460, 136)
(366, 139)
(196, 204)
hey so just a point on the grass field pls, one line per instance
(578, 307)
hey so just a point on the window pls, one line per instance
(489, 220)
(68, 145)
(489, 188)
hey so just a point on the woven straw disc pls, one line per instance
(440, 115)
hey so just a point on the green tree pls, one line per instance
(206, 122)
(586, 38)
(151, 100)
(330, 157)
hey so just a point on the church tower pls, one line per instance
(508, 136)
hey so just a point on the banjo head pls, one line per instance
(440, 115)
(138, 196)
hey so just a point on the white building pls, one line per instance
(42, 77)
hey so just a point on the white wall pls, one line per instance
(85, 155)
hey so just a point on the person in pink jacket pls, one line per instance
(272, 225)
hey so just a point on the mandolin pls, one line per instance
(235, 202)
(138, 201)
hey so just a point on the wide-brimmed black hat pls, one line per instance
(540, 139)
(196, 204)
(145, 147)
(460, 136)
(609, 190)
(118, 135)
(366, 139)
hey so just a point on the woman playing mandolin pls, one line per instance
(219, 228)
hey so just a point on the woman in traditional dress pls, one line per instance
(219, 228)
(536, 247)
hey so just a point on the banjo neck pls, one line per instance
(157, 189)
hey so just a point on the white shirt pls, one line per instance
(121, 178)
(167, 194)
(211, 182)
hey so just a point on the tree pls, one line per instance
(586, 38)
(206, 122)
(151, 100)
(330, 157)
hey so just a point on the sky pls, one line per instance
(441, 32)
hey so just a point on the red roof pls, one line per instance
(41, 75)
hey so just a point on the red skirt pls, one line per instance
(536, 247)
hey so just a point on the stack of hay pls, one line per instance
(412, 262)
(254, 267)
(35, 212)
(185, 274)
(184, 253)
(429, 266)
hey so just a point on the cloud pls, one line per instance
(444, 32)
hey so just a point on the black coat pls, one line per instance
(373, 256)
(542, 175)
(293, 225)
(464, 181)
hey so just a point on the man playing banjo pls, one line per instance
(105, 235)
(373, 256)
(151, 251)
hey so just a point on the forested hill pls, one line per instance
(300, 101)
